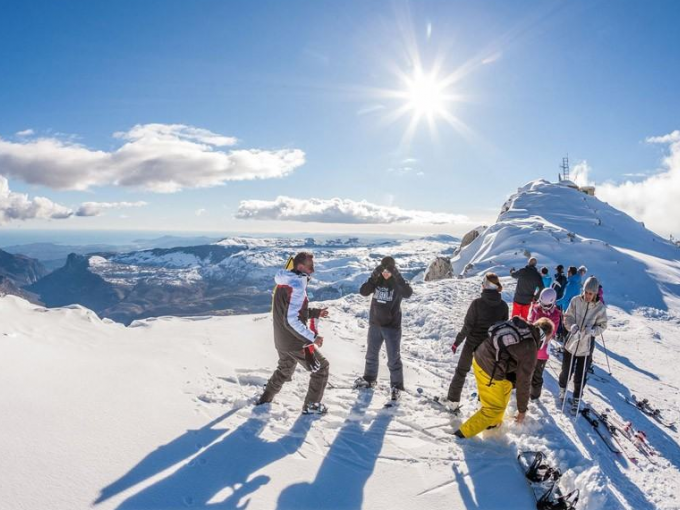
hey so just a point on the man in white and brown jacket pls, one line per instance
(295, 342)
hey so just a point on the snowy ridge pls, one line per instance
(561, 225)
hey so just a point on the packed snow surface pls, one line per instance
(159, 415)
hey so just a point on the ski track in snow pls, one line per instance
(359, 455)
(160, 415)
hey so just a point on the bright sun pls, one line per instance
(425, 95)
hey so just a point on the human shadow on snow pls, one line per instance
(625, 361)
(227, 464)
(166, 456)
(347, 465)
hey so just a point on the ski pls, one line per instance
(395, 395)
(436, 402)
(607, 438)
(645, 407)
(636, 437)
(543, 481)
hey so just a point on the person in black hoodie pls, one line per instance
(559, 281)
(388, 288)
(484, 311)
(529, 286)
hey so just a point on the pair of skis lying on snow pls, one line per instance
(619, 437)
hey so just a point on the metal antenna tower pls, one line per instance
(565, 168)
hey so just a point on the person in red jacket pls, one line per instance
(544, 307)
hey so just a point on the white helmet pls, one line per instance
(547, 297)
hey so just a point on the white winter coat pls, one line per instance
(591, 319)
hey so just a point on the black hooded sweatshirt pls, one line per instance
(387, 295)
(484, 312)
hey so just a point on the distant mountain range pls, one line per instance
(232, 276)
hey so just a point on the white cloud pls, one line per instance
(580, 174)
(25, 132)
(162, 158)
(97, 208)
(336, 210)
(201, 212)
(653, 200)
(17, 206)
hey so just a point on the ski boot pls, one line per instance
(395, 393)
(362, 384)
(315, 408)
(450, 405)
(574, 406)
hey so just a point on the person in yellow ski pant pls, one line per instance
(494, 400)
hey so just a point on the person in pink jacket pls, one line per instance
(544, 307)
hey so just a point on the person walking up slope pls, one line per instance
(388, 288)
(585, 319)
(560, 281)
(295, 342)
(483, 312)
(572, 289)
(508, 354)
(529, 284)
(545, 276)
(544, 308)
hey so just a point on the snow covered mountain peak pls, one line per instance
(559, 224)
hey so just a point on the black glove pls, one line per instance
(312, 362)
(377, 273)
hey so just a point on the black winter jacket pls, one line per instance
(387, 296)
(528, 279)
(560, 284)
(483, 313)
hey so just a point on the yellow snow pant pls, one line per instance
(494, 400)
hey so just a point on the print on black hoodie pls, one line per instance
(387, 295)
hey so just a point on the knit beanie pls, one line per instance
(591, 285)
(492, 282)
(388, 263)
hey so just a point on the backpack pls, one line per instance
(507, 333)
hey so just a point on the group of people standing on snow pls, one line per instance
(504, 353)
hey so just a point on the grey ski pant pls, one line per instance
(284, 373)
(462, 369)
(392, 339)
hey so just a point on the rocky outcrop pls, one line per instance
(469, 238)
(439, 269)
(19, 269)
(8, 287)
(75, 283)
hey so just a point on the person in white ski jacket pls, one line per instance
(585, 319)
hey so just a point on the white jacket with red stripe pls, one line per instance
(290, 312)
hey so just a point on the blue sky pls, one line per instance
(592, 79)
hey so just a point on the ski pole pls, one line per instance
(571, 362)
(583, 382)
(571, 365)
(604, 345)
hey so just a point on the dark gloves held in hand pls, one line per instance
(312, 362)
